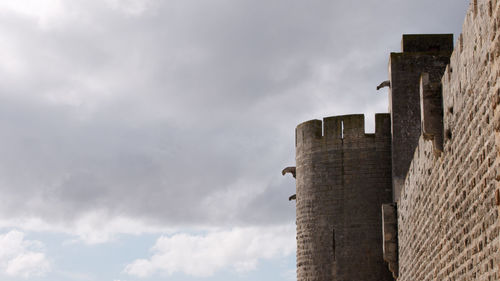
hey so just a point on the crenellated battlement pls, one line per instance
(340, 167)
(432, 164)
(342, 129)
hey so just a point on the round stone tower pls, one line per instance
(343, 178)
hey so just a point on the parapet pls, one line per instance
(423, 43)
(344, 128)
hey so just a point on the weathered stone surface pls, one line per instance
(444, 169)
(426, 53)
(390, 237)
(343, 177)
(415, 43)
(447, 216)
(431, 111)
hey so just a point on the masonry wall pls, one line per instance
(420, 53)
(343, 177)
(448, 225)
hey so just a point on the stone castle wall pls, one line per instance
(343, 177)
(420, 54)
(438, 151)
(448, 224)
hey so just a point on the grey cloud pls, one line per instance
(147, 116)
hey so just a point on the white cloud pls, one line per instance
(99, 227)
(43, 11)
(20, 257)
(93, 227)
(239, 249)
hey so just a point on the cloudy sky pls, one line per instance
(144, 139)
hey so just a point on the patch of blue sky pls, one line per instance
(74, 260)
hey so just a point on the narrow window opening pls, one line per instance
(342, 129)
(333, 243)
